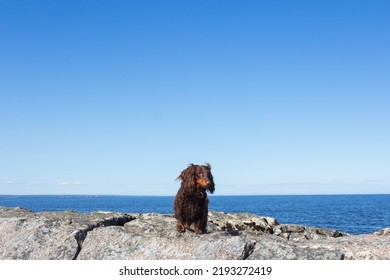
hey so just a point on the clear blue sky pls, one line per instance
(117, 97)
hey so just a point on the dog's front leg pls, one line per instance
(199, 226)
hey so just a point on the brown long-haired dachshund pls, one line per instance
(191, 202)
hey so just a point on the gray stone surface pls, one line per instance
(118, 236)
(49, 235)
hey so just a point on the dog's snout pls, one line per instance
(203, 182)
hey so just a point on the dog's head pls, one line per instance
(198, 175)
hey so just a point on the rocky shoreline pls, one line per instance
(69, 235)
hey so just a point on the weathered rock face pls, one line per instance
(49, 235)
(148, 238)
(116, 236)
(249, 223)
(385, 231)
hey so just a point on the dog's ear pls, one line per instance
(188, 176)
(211, 188)
(185, 173)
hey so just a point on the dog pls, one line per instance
(191, 202)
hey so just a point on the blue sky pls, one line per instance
(117, 97)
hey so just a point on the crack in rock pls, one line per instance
(81, 235)
(248, 249)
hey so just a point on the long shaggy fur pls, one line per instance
(191, 202)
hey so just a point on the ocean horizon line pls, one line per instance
(222, 195)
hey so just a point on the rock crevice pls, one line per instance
(81, 235)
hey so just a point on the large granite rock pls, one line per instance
(115, 236)
(49, 235)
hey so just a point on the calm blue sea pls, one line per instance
(355, 214)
